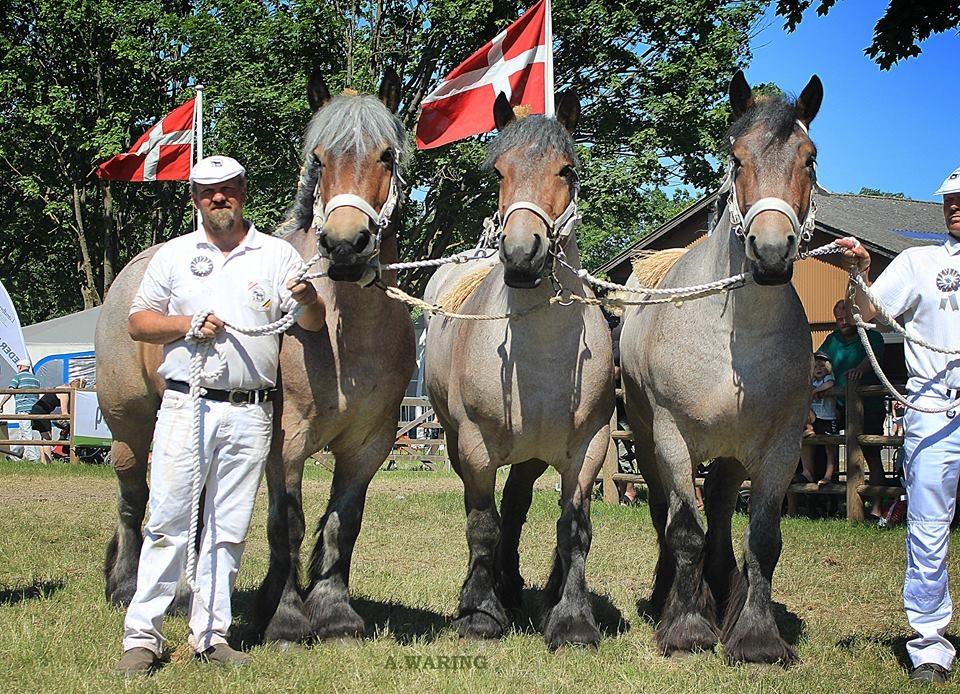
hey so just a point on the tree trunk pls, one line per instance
(88, 287)
(109, 239)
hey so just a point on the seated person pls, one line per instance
(824, 412)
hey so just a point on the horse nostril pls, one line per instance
(536, 247)
(753, 245)
(363, 238)
(322, 240)
(791, 240)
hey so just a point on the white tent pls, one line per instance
(62, 348)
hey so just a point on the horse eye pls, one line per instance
(736, 161)
(567, 171)
(388, 156)
(315, 158)
(497, 172)
(811, 161)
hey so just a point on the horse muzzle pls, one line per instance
(523, 263)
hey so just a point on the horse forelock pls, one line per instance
(354, 125)
(536, 134)
(777, 114)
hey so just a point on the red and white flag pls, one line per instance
(163, 153)
(518, 62)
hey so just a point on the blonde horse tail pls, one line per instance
(453, 300)
(650, 267)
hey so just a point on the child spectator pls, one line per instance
(824, 411)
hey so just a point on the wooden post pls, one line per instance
(610, 494)
(72, 403)
(855, 459)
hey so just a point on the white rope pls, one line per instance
(464, 257)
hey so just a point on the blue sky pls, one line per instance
(894, 130)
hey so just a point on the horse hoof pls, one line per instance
(122, 595)
(287, 626)
(758, 647)
(335, 620)
(479, 625)
(570, 628)
(286, 646)
(688, 633)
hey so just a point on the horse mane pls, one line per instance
(650, 267)
(538, 133)
(777, 113)
(346, 124)
(465, 286)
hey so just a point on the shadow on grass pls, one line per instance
(895, 644)
(35, 591)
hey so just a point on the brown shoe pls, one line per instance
(137, 661)
(223, 654)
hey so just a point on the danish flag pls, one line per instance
(518, 62)
(163, 153)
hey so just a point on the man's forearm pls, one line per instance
(157, 329)
(867, 309)
(313, 317)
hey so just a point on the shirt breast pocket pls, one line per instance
(261, 295)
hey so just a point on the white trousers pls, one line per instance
(931, 455)
(234, 440)
(25, 432)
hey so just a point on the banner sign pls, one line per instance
(90, 429)
(12, 347)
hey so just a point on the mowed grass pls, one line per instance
(837, 590)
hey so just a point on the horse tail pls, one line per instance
(650, 267)
(465, 286)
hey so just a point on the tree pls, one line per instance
(896, 35)
(880, 193)
(82, 79)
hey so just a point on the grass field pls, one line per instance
(837, 590)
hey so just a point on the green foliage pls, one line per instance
(897, 34)
(880, 193)
(82, 79)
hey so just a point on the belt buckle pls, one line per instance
(238, 397)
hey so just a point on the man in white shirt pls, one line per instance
(244, 277)
(922, 287)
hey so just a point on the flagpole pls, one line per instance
(198, 131)
(548, 105)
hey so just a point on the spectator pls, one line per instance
(850, 362)
(46, 405)
(24, 378)
(824, 411)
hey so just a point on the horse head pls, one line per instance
(354, 146)
(535, 160)
(772, 176)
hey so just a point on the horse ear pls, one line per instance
(502, 111)
(390, 89)
(810, 99)
(741, 96)
(317, 92)
(568, 110)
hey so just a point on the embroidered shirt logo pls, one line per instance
(259, 297)
(948, 282)
(201, 266)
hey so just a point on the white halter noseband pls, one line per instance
(740, 223)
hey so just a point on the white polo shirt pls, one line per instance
(245, 288)
(922, 285)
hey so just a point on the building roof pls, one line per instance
(884, 225)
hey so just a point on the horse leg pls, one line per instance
(688, 621)
(280, 613)
(750, 632)
(517, 496)
(480, 613)
(720, 501)
(129, 455)
(328, 597)
(570, 620)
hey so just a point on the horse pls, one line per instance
(528, 392)
(727, 376)
(339, 388)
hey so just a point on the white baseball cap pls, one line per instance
(215, 169)
(23, 362)
(950, 185)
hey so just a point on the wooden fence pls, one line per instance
(853, 439)
(71, 400)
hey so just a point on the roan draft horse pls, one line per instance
(727, 377)
(527, 392)
(341, 388)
